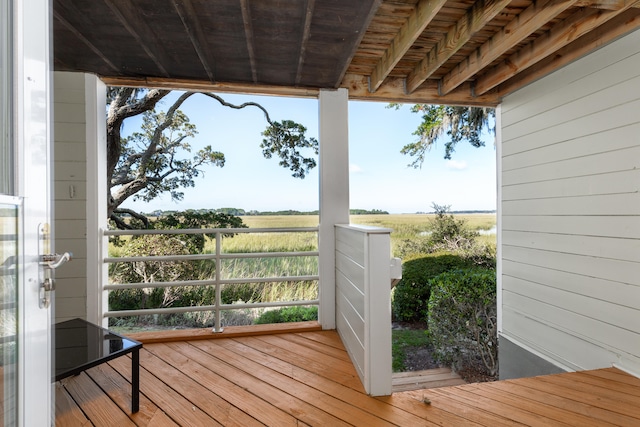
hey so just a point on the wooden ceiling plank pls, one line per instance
(207, 86)
(373, 8)
(416, 23)
(248, 33)
(392, 90)
(305, 38)
(474, 20)
(529, 21)
(127, 14)
(191, 24)
(617, 27)
(83, 39)
(563, 33)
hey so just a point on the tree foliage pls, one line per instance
(457, 123)
(158, 158)
(193, 219)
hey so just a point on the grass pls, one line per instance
(404, 226)
(403, 340)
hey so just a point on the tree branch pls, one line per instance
(134, 214)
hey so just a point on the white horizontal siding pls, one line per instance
(350, 300)
(70, 195)
(570, 211)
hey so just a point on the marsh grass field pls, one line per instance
(404, 226)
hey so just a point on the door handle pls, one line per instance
(50, 262)
(53, 261)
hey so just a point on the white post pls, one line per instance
(96, 133)
(334, 193)
(377, 324)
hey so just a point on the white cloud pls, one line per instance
(456, 165)
(354, 168)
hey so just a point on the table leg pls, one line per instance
(135, 381)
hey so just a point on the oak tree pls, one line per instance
(154, 160)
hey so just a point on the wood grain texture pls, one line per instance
(303, 378)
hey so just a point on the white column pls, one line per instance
(334, 192)
(96, 132)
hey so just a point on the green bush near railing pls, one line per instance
(288, 314)
(411, 295)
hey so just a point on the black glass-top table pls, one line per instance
(81, 345)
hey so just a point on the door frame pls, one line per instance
(33, 137)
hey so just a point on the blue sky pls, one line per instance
(379, 174)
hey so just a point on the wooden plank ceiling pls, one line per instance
(436, 51)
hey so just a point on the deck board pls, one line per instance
(201, 367)
(305, 379)
(68, 413)
(431, 378)
(96, 405)
(118, 389)
(284, 387)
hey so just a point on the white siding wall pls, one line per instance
(70, 193)
(570, 206)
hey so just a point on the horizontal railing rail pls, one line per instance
(217, 280)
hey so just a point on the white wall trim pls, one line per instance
(499, 215)
(96, 133)
(333, 109)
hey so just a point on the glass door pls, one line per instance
(25, 210)
(8, 230)
(8, 308)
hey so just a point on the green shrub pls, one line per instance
(411, 295)
(288, 314)
(463, 319)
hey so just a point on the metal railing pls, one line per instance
(217, 280)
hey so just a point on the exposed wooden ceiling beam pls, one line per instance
(423, 14)
(617, 27)
(191, 23)
(575, 26)
(305, 38)
(474, 20)
(248, 34)
(71, 10)
(127, 14)
(392, 90)
(207, 86)
(532, 18)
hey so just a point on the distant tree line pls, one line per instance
(242, 212)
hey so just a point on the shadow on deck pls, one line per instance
(305, 377)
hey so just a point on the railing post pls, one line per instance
(96, 194)
(218, 327)
(377, 326)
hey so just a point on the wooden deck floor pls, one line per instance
(306, 378)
